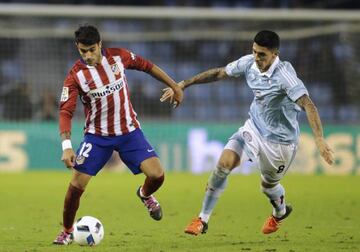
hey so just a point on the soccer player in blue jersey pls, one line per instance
(270, 136)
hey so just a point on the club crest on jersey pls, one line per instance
(115, 68)
(90, 82)
(247, 136)
(251, 76)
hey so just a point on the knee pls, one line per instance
(265, 185)
(78, 185)
(226, 164)
(228, 160)
(156, 174)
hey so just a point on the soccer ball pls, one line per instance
(88, 231)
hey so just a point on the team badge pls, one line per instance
(64, 94)
(115, 68)
(251, 76)
(80, 160)
(247, 136)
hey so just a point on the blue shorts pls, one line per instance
(95, 151)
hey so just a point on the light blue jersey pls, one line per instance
(273, 110)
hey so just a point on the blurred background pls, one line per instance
(320, 38)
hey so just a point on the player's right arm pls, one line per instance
(233, 69)
(68, 100)
(210, 75)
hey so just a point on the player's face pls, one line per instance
(264, 57)
(91, 54)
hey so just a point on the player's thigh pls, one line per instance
(136, 150)
(275, 160)
(79, 179)
(152, 167)
(92, 155)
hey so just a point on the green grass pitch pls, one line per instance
(326, 214)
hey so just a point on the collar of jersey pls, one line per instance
(271, 69)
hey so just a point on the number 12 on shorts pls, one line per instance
(85, 149)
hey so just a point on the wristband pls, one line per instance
(66, 144)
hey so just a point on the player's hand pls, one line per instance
(68, 157)
(178, 96)
(168, 94)
(325, 151)
(175, 97)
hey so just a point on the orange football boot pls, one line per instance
(197, 226)
(272, 224)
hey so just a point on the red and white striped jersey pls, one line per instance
(103, 90)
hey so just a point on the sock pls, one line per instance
(71, 205)
(151, 185)
(276, 195)
(216, 185)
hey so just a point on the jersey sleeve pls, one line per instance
(68, 100)
(292, 85)
(133, 61)
(238, 67)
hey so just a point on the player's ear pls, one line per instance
(100, 44)
(276, 52)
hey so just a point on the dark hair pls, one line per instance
(268, 39)
(87, 35)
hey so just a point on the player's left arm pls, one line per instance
(315, 123)
(162, 76)
(133, 61)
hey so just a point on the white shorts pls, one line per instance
(273, 159)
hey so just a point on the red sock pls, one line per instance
(71, 205)
(151, 185)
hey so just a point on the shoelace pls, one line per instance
(151, 203)
(274, 222)
(195, 224)
(63, 236)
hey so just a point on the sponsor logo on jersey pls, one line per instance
(106, 90)
(64, 94)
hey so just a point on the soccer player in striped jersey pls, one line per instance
(111, 123)
(270, 136)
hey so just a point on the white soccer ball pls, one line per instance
(88, 231)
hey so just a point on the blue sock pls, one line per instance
(216, 185)
(276, 195)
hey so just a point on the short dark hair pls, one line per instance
(87, 35)
(268, 39)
